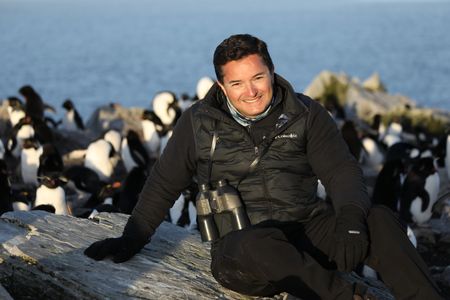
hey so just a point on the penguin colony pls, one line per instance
(114, 165)
(105, 176)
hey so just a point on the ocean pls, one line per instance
(125, 51)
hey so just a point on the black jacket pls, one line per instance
(297, 143)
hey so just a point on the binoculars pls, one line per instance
(223, 199)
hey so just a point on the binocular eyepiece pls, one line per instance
(223, 199)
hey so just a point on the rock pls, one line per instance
(374, 84)
(363, 101)
(115, 116)
(4, 294)
(42, 254)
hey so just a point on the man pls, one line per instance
(272, 145)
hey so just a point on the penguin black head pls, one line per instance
(151, 116)
(52, 180)
(31, 142)
(68, 105)
(109, 190)
(27, 91)
(15, 102)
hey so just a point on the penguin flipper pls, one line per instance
(425, 199)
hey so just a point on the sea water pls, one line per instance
(96, 52)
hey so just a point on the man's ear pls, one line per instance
(222, 88)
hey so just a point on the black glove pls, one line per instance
(121, 248)
(351, 239)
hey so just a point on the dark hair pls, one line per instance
(239, 46)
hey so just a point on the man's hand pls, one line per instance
(352, 241)
(121, 249)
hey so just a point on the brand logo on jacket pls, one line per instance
(287, 136)
(282, 120)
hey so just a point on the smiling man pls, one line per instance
(270, 233)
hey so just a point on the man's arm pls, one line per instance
(333, 163)
(171, 174)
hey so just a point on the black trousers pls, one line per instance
(274, 257)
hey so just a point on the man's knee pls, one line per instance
(384, 224)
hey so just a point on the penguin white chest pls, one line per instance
(29, 164)
(69, 120)
(97, 158)
(126, 156)
(151, 137)
(55, 197)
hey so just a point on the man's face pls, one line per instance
(247, 83)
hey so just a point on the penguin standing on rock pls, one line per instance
(22, 130)
(16, 110)
(99, 158)
(388, 185)
(152, 129)
(34, 106)
(133, 151)
(72, 119)
(105, 199)
(29, 161)
(165, 106)
(50, 161)
(51, 193)
(416, 201)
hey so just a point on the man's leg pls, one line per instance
(262, 261)
(395, 258)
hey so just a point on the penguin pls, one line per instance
(373, 154)
(5, 189)
(114, 137)
(82, 179)
(416, 201)
(21, 199)
(377, 128)
(22, 130)
(99, 158)
(188, 217)
(185, 102)
(165, 106)
(203, 86)
(106, 199)
(152, 129)
(29, 160)
(16, 110)
(72, 119)
(133, 151)
(388, 185)
(51, 192)
(34, 106)
(50, 161)
(393, 134)
(403, 151)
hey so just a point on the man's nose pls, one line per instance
(251, 89)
